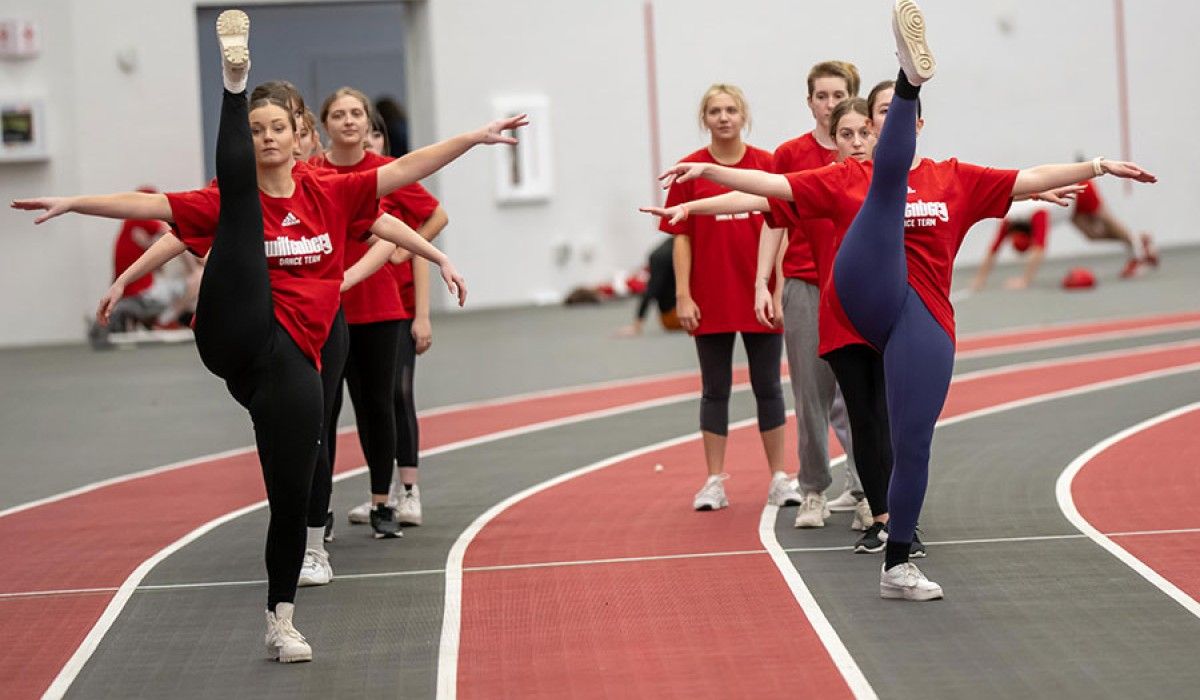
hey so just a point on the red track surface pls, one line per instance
(1149, 481)
(584, 625)
(60, 545)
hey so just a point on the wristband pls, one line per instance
(1097, 169)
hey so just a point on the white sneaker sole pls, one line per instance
(890, 592)
(233, 34)
(307, 581)
(808, 524)
(276, 655)
(908, 24)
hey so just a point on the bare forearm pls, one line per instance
(757, 182)
(421, 288)
(728, 203)
(1048, 177)
(376, 257)
(396, 231)
(769, 242)
(423, 162)
(157, 255)
(681, 255)
(434, 224)
(123, 205)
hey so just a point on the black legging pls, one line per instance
(764, 351)
(370, 373)
(333, 368)
(239, 340)
(859, 372)
(660, 287)
(408, 431)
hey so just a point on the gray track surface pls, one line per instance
(1058, 618)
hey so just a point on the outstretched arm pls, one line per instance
(752, 181)
(423, 162)
(157, 255)
(123, 205)
(728, 203)
(392, 229)
(1049, 177)
(428, 230)
(376, 257)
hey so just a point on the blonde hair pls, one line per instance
(835, 69)
(343, 92)
(739, 98)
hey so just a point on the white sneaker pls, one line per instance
(781, 492)
(284, 643)
(908, 25)
(408, 510)
(712, 496)
(843, 503)
(361, 514)
(233, 34)
(906, 582)
(812, 511)
(316, 570)
(863, 518)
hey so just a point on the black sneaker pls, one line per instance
(917, 549)
(873, 540)
(329, 526)
(383, 522)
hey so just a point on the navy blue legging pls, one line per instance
(870, 275)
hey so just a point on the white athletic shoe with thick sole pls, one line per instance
(863, 518)
(233, 34)
(908, 24)
(316, 570)
(906, 582)
(844, 503)
(284, 643)
(408, 510)
(812, 511)
(782, 494)
(712, 496)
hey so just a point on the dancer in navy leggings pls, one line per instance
(906, 219)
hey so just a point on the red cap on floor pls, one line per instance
(1079, 278)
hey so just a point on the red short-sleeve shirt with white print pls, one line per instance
(412, 204)
(305, 236)
(375, 299)
(945, 199)
(802, 153)
(724, 251)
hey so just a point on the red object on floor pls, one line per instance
(1148, 482)
(1080, 278)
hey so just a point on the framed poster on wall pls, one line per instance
(523, 171)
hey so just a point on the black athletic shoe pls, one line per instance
(873, 540)
(383, 522)
(329, 526)
(917, 549)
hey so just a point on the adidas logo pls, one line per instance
(910, 191)
(290, 220)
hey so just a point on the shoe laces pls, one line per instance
(285, 630)
(812, 501)
(714, 487)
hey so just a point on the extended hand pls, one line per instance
(682, 172)
(673, 215)
(53, 206)
(1129, 171)
(454, 282)
(494, 132)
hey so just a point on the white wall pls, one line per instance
(1037, 93)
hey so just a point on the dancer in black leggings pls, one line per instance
(273, 236)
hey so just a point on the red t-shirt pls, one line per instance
(127, 250)
(944, 200)
(1038, 224)
(802, 153)
(305, 237)
(413, 205)
(724, 251)
(376, 298)
(1087, 201)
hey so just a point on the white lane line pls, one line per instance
(1066, 503)
(812, 610)
(1076, 359)
(1100, 337)
(589, 562)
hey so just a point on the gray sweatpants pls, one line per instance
(818, 400)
